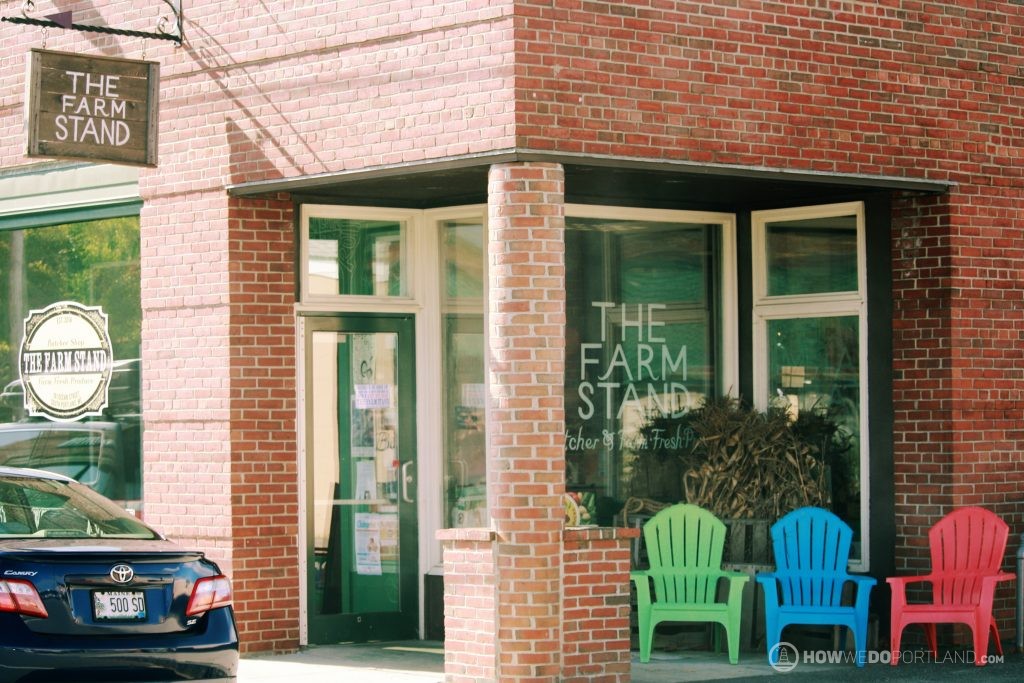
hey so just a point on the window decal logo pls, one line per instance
(66, 361)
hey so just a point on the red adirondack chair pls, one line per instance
(967, 548)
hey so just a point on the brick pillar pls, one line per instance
(527, 600)
(264, 464)
(525, 416)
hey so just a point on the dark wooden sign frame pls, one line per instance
(92, 108)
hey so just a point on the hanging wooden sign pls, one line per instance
(92, 108)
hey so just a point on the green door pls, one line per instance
(360, 448)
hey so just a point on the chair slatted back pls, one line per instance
(965, 545)
(684, 548)
(812, 549)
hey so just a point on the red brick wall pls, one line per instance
(922, 374)
(957, 361)
(595, 607)
(594, 634)
(470, 605)
(264, 460)
(221, 468)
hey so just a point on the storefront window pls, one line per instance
(643, 334)
(355, 257)
(462, 317)
(811, 312)
(96, 264)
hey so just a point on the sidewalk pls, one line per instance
(423, 662)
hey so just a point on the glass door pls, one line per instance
(361, 478)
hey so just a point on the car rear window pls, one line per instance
(39, 507)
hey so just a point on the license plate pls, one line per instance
(119, 605)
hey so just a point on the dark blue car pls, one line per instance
(90, 593)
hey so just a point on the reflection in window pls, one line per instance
(641, 335)
(354, 449)
(95, 263)
(812, 256)
(814, 368)
(355, 257)
(464, 429)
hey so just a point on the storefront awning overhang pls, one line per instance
(588, 180)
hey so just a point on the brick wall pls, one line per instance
(958, 326)
(221, 469)
(525, 413)
(470, 605)
(264, 460)
(595, 607)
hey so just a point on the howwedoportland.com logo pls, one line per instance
(784, 657)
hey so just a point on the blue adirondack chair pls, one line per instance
(684, 546)
(812, 548)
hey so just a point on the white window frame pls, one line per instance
(412, 234)
(421, 264)
(823, 305)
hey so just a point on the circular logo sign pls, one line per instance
(66, 361)
(784, 657)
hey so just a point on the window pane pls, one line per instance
(814, 366)
(812, 256)
(465, 435)
(94, 263)
(463, 353)
(463, 242)
(640, 339)
(356, 257)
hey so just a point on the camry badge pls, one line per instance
(122, 573)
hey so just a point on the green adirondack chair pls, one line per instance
(684, 545)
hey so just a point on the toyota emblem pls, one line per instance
(122, 573)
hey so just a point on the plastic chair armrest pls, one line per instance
(864, 585)
(898, 584)
(770, 586)
(643, 588)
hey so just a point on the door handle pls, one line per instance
(406, 480)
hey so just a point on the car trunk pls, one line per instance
(79, 585)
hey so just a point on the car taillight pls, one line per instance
(21, 597)
(209, 593)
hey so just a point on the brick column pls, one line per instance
(525, 416)
(527, 600)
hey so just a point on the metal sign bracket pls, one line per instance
(167, 28)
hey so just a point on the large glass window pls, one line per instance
(94, 263)
(643, 348)
(462, 247)
(810, 359)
